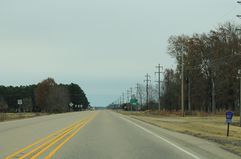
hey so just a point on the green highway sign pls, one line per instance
(134, 101)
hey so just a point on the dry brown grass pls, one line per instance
(208, 127)
(14, 116)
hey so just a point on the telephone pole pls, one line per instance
(147, 89)
(131, 91)
(182, 87)
(131, 97)
(127, 96)
(239, 76)
(240, 99)
(119, 103)
(137, 90)
(138, 94)
(123, 97)
(159, 67)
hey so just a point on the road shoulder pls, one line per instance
(191, 143)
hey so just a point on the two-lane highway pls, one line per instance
(99, 135)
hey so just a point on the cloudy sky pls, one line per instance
(105, 46)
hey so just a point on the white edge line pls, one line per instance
(156, 135)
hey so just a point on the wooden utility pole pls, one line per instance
(127, 96)
(137, 90)
(123, 98)
(159, 67)
(240, 100)
(182, 86)
(239, 76)
(239, 73)
(138, 94)
(131, 98)
(147, 89)
(189, 95)
(131, 91)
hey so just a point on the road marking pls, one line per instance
(163, 139)
(66, 140)
(62, 134)
(38, 141)
(54, 142)
(48, 139)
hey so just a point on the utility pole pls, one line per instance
(123, 97)
(138, 93)
(147, 89)
(131, 91)
(119, 102)
(240, 99)
(189, 83)
(131, 97)
(182, 87)
(189, 92)
(127, 96)
(159, 67)
(137, 90)
(239, 76)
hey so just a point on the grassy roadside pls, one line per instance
(208, 127)
(15, 116)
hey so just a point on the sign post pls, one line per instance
(229, 117)
(20, 102)
(71, 105)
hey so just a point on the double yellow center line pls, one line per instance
(55, 141)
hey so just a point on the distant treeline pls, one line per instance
(46, 96)
(211, 63)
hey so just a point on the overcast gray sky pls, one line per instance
(105, 46)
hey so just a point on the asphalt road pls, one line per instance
(99, 135)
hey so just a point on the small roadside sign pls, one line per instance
(239, 71)
(20, 101)
(229, 117)
(71, 104)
